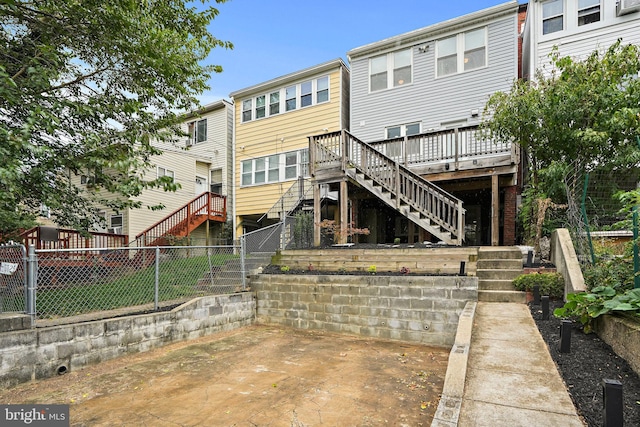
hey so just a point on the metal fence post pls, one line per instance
(243, 272)
(155, 299)
(31, 282)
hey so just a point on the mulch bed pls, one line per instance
(590, 361)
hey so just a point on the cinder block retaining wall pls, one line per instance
(422, 309)
(41, 353)
(623, 335)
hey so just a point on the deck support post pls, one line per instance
(317, 217)
(495, 211)
(344, 214)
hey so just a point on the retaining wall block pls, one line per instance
(88, 330)
(56, 334)
(19, 338)
(390, 292)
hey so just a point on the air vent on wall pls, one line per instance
(624, 7)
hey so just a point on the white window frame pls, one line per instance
(162, 171)
(393, 149)
(597, 6)
(116, 217)
(552, 17)
(461, 51)
(275, 168)
(388, 61)
(195, 135)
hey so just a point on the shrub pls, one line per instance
(616, 273)
(372, 269)
(551, 284)
(284, 268)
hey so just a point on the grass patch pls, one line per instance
(176, 279)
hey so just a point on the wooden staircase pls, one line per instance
(419, 200)
(180, 223)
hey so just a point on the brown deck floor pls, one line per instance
(255, 376)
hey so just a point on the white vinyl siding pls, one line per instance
(431, 100)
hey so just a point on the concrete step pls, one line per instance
(495, 285)
(494, 264)
(499, 252)
(497, 274)
(502, 296)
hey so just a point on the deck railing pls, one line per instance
(63, 238)
(446, 145)
(343, 150)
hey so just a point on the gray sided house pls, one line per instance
(418, 98)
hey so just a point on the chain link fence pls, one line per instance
(130, 280)
(12, 278)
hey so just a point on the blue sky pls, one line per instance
(275, 37)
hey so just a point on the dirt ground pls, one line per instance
(255, 376)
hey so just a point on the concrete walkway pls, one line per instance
(508, 375)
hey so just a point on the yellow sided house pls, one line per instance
(273, 123)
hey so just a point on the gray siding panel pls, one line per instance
(433, 101)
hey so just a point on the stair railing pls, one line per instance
(290, 200)
(214, 206)
(346, 151)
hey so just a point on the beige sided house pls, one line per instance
(201, 164)
(273, 121)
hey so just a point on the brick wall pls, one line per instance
(509, 216)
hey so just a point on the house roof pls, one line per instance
(279, 81)
(221, 103)
(425, 34)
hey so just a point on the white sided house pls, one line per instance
(576, 28)
(416, 167)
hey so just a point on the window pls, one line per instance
(246, 110)
(401, 68)
(402, 130)
(305, 94)
(378, 73)
(322, 90)
(474, 49)
(400, 65)
(260, 107)
(274, 103)
(588, 11)
(197, 131)
(247, 176)
(274, 168)
(552, 16)
(115, 220)
(216, 181)
(473, 46)
(165, 172)
(290, 98)
(278, 167)
(447, 56)
(291, 165)
(259, 174)
(394, 149)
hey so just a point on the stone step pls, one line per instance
(497, 274)
(499, 252)
(494, 264)
(502, 296)
(495, 285)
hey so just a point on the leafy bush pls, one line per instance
(551, 284)
(616, 273)
(587, 306)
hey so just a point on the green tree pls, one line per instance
(586, 111)
(86, 87)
